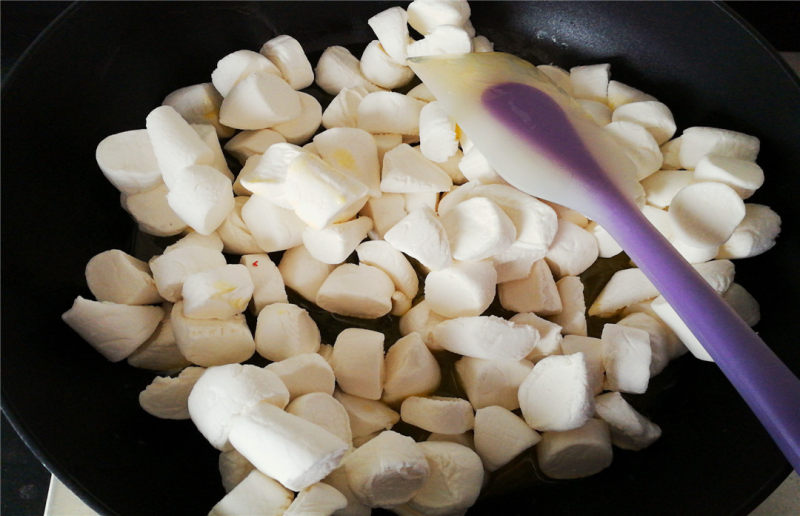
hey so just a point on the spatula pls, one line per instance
(539, 140)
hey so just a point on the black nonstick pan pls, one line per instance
(103, 66)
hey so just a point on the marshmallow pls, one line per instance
(284, 330)
(388, 470)
(754, 235)
(224, 392)
(391, 29)
(176, 145)
(629, 429)
(325, 351)
(159, 352)
(353, 151)
(464, 439)
(697, 142)
(209, 135)
(128, 161)
(411, 370)
(674, 347)
(476, 168)
(171, 268)
(500, 435)
(639, 145)
(359, 291)
(558, 76)
(386, 142)
(334, 243)
(425, 15)
(671, 152)
(421, 92)
(572, 251)
(482, 44)
(382, 255)
(114, 330)
(385, 211)
(406, 170)
(421, 235)
(438, 414)
(268, 284)
(661, 187)
(300, 128)
(381, 69)
(266, 174)
(549, 342)
(556, 394)
(650, 114)
(199, 104)
(597, 111)
(569, 214)
(293, 451)
(317, 500)
(464, 289)
(477, 229)
(194, 239)
(287, 54)
(389, 112)
(337, 69)
(671, 319)
(590, 82)
(705, 214)
(322, 409)
(437, 133)
(305, 373)
(492, 382)
(515, 263)
(745, 177)
(620, 94)
(218, 293)
(743, 303)
(249, 143)
(454, 482)
(260, 100)
(415, 200)
(237, 65)
(234, 233)
(607, 247)
(659, 339)
(576, 453)
(152, 213)
(572, 317)
(442, 40)
(233, 468)
(694, 254)
(592, 350)
(626, 358)
(338, 479)
(321, 194)
(488, 337)
(167, 398)
(450, 166)
(401, 303)
(118, 277)
(302, 272)
(357, 362)
(255, 494)
(210, 342)
(366, 416)
(201, 197)
(421, 319)
(273, 228)
(343, 109)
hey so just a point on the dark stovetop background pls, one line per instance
(24, 480)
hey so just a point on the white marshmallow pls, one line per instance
(199, 104)
(451, 168)
(549, 342)
(406, 170)
(382, 255)
(300, 128)
(260, 100)
(464, 439)
(386, 142)
(639, 145)
(381, 69)
(357, 362)
(670, 318)
(754, 235)
(476, 168)
(607, 247)
(492, 382)
(268, 284)
(660, 187)
(237, 65)
(171, 268)
(293, 451)
(385, 211)
(391, 29)
(745, 177)
(366, 416)
(411, 370)
(674, 347)
(317, 500)
(265, 175)
(650, 114)
(478, 229)
(302, 272)
(322, 409)
(597, 111)
(421, 92)
(152, 213)
(353, 151)
(202, 197)
(248, 143)
(255, 494)
(437, 133)
(659, 338)
(482, 44)
(425, 15)
(590, 81)
(572, 317)
(438, 414)
(556, 394)
(620, 94)
(388, 470)
(671, 152)
(287, 54)
(592, 350)
(694, 254)
(224, 392)
(167, 397)
(572, 251)
(626, 358)
(234, 233)
(218, 293)
(114, 330)
(401, 303)
(558, 76)
(569, 214)
(128, 161)
(697, 142)
(176, 145)
(421, 319)
(464, 289)
(343, 109)
(338, 479)
(334, 243)
(415, 200)
(576, 453)
(454, 482)
(337, 69)
(233, 468)
(210, 342)
(421, 235)
(118, 277)
(515, 262)
(193, 238)
(159, 352)
(284, 330)
(488, 337)
(305, 373)
(442, 40)
(500, 435)
(743, 303)
(389, 112)
(705, 214)
(629, 429)
(209, 135)
(273, 228)
(357, 291)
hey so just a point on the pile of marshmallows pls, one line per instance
(317, 419)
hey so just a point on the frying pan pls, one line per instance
(104, 66)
